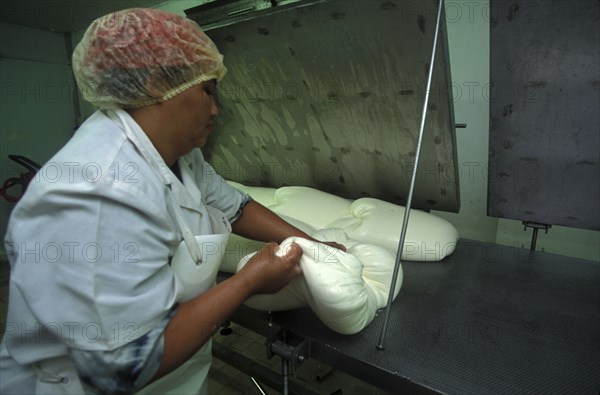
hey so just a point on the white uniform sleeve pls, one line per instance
(125, 369)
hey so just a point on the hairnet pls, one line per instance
(136, 57)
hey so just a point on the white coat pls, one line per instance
(89, 246)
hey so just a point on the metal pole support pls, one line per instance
(380, 345)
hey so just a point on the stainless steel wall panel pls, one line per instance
(329, 95)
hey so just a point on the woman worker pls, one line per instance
(96, 304)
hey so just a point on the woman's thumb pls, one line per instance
(293, 252)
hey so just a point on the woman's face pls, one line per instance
(193, 112)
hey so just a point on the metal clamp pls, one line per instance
(290, 348)
(287, 345)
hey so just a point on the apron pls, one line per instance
(197, 275)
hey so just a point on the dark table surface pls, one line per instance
(487, 319)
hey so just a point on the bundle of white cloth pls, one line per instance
(344, 289)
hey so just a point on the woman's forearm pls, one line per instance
(257, 222)
(197, 320)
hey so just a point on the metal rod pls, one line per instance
(285, 364)
(284, 373)
(380, 345)
(534, 237)
(258, 386)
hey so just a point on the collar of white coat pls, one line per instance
(142, 142)
(187, 189)
(186, 192)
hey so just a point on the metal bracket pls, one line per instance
(536, 226)
(290, 348)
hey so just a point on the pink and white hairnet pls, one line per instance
(137, 57)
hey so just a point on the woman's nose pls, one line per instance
(214, 108)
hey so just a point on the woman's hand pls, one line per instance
(197, 319)
(268, 271)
